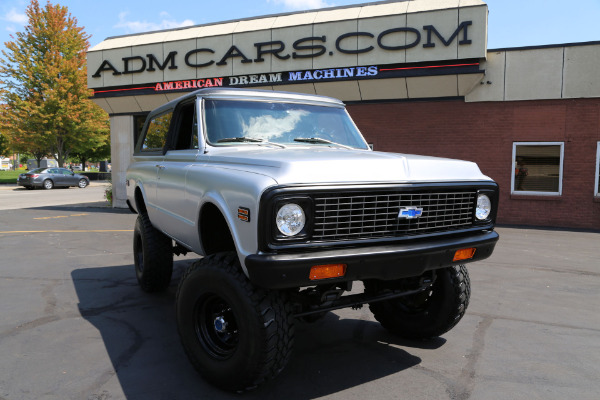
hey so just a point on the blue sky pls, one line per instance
(512, 23)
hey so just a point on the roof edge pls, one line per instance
(257, 17)
(546, 46)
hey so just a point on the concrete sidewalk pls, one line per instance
(17, 197)
(12, 186)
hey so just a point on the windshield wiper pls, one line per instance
(240, 139)
(243, 139)
(321, 141)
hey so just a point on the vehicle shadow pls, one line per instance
(140, 335)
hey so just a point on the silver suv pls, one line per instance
(288, 207)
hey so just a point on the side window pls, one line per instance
(537, 168)
(187, 135)
(156, 135)
(138, 125)
(195, 133)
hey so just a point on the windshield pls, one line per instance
(251, 122)
(37, 171)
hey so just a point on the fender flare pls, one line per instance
(217, 200)
(139, 186)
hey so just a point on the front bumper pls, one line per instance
(385, 262)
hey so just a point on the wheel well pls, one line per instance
(214, 231)
(139, 202)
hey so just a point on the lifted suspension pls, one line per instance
(332, 299)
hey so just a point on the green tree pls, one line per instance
(4, 150)
(4, 146)
(101, 153)
(43, 69)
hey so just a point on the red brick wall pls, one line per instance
(485, 132)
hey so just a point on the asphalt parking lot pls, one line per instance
(75, 325)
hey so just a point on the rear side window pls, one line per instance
(156, 134)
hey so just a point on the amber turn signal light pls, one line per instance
(464, 254)
(327, 271)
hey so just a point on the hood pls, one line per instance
(317, 164)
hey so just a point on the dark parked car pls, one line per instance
(49, 178)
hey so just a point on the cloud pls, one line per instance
(268, 127)
(302, 4)
(14, 17)
(144, 26)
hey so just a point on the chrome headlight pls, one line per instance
(290, 219)
(484, 207)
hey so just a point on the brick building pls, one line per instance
(487, 132)
(417, 78)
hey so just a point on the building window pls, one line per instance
(597, 188)
(537, 168)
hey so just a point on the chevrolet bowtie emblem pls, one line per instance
(410, 212)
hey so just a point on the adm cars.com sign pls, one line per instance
(394, 39)
(243, 53)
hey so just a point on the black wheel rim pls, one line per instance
(216, 326)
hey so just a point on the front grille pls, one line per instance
(355, 216)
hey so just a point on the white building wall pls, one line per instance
(121, 138)
(549, 72)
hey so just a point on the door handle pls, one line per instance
(160, 166)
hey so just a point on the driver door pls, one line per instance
(171, 175)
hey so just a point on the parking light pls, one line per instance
(327, 271)
(464, 254)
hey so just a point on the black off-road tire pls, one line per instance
(153, 256)
(429, 314)
(235, 334)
